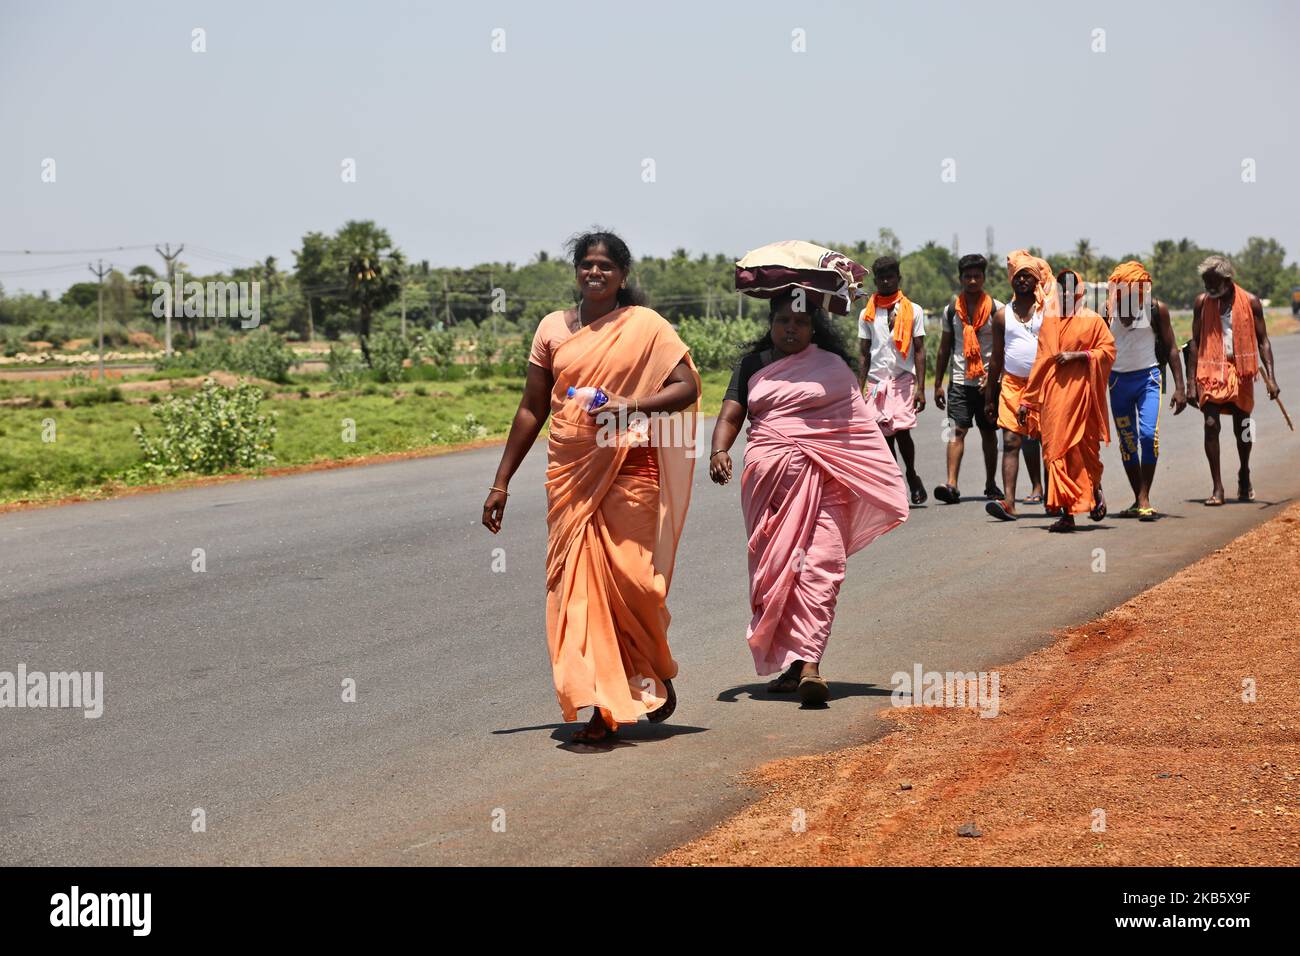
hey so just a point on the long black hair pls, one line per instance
(583, 243)
(824, 333)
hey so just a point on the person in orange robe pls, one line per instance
(1067, 387)
(618, 483)
(1229, 348)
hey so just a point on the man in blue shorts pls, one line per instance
(1144, 344)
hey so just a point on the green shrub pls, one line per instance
(261, 354)
(388, 352)
(436, 345)
(717, 343)
(468, 430)
(98, 396)
(214, 430)
(486, 347)
(345, 366)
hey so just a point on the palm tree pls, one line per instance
(1084, 255)
(372, 272)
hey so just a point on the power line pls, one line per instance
(67, 252)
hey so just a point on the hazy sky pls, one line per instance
(466, 155)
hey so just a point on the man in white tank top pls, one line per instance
(1144, 344)
(1015, 346)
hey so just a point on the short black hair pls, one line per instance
(885, 264)
(972, 261)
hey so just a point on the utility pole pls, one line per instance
(170, 258)
(988, 241)
(99, 274)
(740, 306)
(401, 278)
(954, 245)
(446, 302)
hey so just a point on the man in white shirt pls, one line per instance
(891, 335)
(965, 350)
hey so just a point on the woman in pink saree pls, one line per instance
(818, 485)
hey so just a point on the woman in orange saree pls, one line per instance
(618, 483)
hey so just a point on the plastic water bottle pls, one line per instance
(590, 397)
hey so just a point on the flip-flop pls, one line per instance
(1034, 500)
(1132, 511)
(664, 710)
(998, 510)
(814, 690)
(1248, 495)
(948, 494)
(919, 497)
(1059, 526)
(1214, 501)
(1146, 514)
(1098, 511)
(994, 493)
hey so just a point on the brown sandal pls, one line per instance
(813, 689)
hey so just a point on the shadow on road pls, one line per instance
(839, 690)
(629, 735)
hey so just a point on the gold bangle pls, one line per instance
(502, 490)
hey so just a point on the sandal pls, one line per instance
(580, 737)
(787, 683)
(1132, 511)
(1098, 510)
(998, 510)
(814, 690)
(664, 710)
(948, 494)
(1062, 525)
(1214, 501)
(919, 497)
(1146, 514)
(1245, 493)
(994, 493)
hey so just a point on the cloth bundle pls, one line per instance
(833, 279)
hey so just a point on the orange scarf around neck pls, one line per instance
(1245, 349)
(902, 318)
(970, 343)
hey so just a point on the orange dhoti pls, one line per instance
(616, 509)
(1010, 396)
(1227, 388)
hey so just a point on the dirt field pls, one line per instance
(1140, 715)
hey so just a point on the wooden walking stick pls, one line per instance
(1278, 399)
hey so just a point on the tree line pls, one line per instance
(357, 281)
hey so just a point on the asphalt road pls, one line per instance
(223, 688)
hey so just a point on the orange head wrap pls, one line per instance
(1128, 278)
(1045, 296)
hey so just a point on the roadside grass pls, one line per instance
(93, 452)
